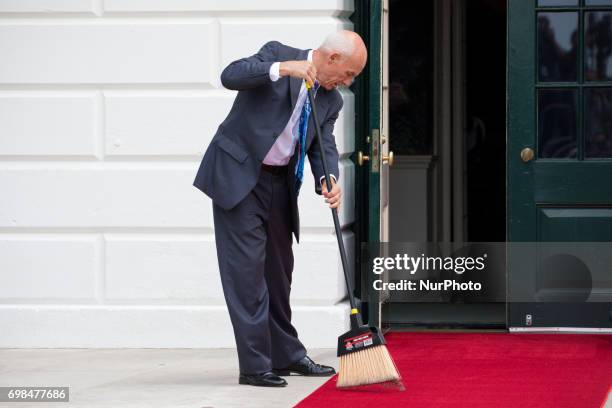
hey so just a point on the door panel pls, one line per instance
(559, 169)
(374, 51)
(578, 182)
(582, 224)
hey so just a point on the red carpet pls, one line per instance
(493, 370)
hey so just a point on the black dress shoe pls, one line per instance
(268, 379)
(306, 367)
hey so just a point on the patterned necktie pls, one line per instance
(302, 131)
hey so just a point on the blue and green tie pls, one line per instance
(302, 131)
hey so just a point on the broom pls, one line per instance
(364, 358)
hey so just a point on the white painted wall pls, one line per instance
(106, 108)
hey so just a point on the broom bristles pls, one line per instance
(371, 365)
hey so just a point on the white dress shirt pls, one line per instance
(281, 151)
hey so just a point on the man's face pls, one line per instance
(338, 71)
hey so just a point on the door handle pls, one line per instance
(388, 159)
(527, 154)
(361, 158)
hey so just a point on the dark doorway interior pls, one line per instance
(485, 98)
(414, 115)
(411, 77)
(447, 112)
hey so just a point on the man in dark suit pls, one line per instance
(253, 171)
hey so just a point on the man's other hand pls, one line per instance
(299, 69)
(332, 197)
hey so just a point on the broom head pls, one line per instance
(364, 358)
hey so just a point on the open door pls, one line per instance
(377, 158)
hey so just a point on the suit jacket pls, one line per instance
(231, 164)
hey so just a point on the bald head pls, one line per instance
(340, 58)
(347, 43)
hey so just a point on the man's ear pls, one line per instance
(334, 58)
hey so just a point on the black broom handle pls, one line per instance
(334, 211)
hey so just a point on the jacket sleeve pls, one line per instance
(329, 145)
(250, 72)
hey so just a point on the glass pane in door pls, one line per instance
(557, 3)
(598, 46)
(557, 123)
(598, 122)
(599, 2)
(557, 46)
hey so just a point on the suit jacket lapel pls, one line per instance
(296, 83)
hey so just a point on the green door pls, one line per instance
(375, 159)
(559, 163)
